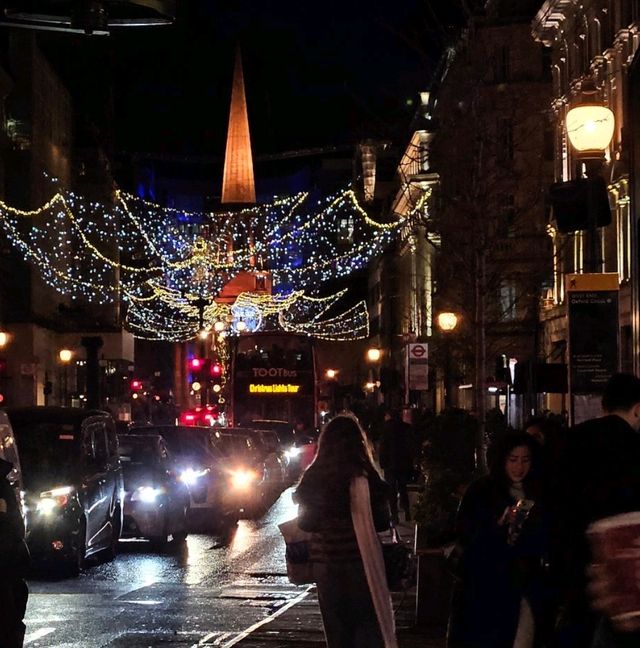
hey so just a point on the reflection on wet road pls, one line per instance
(208, 586)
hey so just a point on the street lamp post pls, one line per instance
(590, 127)
(374, 355)
(447, 322)
(65, 356)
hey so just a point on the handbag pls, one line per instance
(300, 568)
(399, 563)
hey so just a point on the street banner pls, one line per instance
(418, 364)
(592, 310)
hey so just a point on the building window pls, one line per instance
(508, 300)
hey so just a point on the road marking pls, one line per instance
(245, 633)
(38, 634)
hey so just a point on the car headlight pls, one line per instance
(190, 476)
(146, 494)
(53, 499)
(292, 452)
(242, 479)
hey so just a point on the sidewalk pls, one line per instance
(299, 624)
(301, 627)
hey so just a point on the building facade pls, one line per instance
(493, 156)
(594, 45)
(39, 155)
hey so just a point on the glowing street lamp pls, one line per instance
(374, 354)
(447, 321)
(65, 356)
(4, 339)
(590, 127)
(331, 374)
(219, 326)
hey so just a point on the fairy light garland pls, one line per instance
(159, 261)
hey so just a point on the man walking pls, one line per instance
(599, 476)
(397, 457)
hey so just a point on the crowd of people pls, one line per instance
(523, 563)
(522, 560)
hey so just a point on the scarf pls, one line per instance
(372, 560)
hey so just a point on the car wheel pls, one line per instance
(77, 561)
(159, 542)
(181, 535)
(116, 522)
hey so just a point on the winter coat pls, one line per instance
(14, 556)
(397, 446)
(325, 511)
(493, 575)
(598, 476)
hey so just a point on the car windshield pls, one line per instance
(138, 452)
(283, 429)
(234, 445)
(182, 441)
(49, 452)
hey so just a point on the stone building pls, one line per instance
(491, 151)
(595, 44)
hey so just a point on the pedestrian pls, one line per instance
(397, 459)
(343, 501)
(14, 562)
(599, 477)
(499, 595)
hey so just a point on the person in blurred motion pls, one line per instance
(397, 459)
(343, 501)
(14, 562)
(600, 477)
(499, 598)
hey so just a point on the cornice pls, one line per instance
(549, 20)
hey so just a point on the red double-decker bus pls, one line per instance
(273, 377)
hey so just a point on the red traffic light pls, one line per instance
(136, 385)
(216, 370)
(195, 363)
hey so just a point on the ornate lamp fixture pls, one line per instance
(590, 125)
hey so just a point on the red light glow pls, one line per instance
(196, 363)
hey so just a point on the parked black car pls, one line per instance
(73, 482)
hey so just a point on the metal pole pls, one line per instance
(592, 214)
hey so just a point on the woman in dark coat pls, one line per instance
(350, 606)
(499, 598)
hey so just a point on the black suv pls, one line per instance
(73, 482)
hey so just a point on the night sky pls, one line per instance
(317, 74)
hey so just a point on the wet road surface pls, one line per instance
(205, 592)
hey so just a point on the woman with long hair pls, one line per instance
(343, 501)
(499, 599)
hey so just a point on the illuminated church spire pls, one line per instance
(238, 184)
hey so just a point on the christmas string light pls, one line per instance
(160, 261)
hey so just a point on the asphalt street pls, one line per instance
(209, 591)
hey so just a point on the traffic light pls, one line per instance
(135, 386)
(216, 375)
